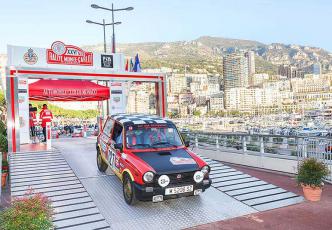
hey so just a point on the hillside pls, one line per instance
(206, 52)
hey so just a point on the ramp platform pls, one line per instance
(48, 172)
(252, 191)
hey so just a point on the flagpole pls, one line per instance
(113, 37)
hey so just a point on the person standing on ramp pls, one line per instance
(32, 123)
(45, 116)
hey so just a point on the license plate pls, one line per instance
(178, 190)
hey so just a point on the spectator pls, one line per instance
(45, 116)
(32, 123)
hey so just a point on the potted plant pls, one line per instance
(3, 140)
(32, 211)
(310, 176)
(5, 167)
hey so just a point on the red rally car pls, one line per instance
(150, 158)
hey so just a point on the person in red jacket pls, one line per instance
(45, 116)
(32, 123)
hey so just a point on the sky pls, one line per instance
(38, 23)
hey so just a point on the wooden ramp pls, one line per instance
(48, 172)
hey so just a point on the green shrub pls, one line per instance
(252, 147)
(3, 129)
(3, 143)
(32, 212)
(271, 150)
(311, 172)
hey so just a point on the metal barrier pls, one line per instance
(286, 147)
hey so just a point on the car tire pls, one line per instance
(128, 190)
(102, 166)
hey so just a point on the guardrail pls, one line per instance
(272, 146)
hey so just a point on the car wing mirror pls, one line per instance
(187, 143)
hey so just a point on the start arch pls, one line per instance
(26, 63)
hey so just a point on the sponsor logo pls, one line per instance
(116, 99)
(58, 47)
(182, 161)
(22, 91)
(62, 54)
(22, 82)
(116, 83)
(70, 92)
(107, 61)
(30, 57)
(21, 99)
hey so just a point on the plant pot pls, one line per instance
(3, 179)
(312, 193)
(5, 168)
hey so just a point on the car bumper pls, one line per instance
(146, 193)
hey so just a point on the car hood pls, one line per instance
(167, 162)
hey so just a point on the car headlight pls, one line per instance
(205, 170)
(148, 177)
(198, 176)
(163, 180)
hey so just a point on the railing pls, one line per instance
(285, 147)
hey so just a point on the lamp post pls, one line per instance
(112, 10)
(104, 28)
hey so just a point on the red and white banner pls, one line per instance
(23, 104)
(62, 54)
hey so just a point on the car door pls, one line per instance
(115, 154)
(105, 137)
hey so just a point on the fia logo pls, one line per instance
(107, 61)
(30, 57)
(58, 47)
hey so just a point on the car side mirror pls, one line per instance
(187, 143)
(118, 146)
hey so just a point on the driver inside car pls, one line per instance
(134, 137)
(154, 136)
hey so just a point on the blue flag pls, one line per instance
(131, 67)
(137, 65)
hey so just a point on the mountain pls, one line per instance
(206, 53)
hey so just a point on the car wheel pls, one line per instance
(128, 190)
(102, 166)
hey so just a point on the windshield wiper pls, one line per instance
(163, 143)
(144, 145)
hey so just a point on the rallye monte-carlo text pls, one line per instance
(150, 158)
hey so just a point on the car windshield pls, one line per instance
(152, 136)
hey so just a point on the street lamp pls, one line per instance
(104, 27)
(112, 9)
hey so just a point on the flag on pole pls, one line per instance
(131, 65)
(126, 69)
(137, 65)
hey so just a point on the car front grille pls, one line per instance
(178, 178)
